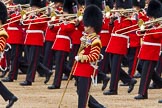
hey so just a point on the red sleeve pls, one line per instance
(2, 43)
(70, 27)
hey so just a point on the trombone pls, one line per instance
(24, 13)
(107, 10)
(142, 27)
(19, 5)
(139, 24)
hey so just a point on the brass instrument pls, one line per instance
(148, 23)
(24, 13)
(139, 24)
(19, 5)
(107, 11)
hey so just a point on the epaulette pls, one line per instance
(3, 33)
(97, 41)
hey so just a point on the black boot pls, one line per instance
(93, 103)
(139, 97)
(48, 76)
(12, 101)
(4, 72)
(110, 92)
(160, 101)
(131, 85)
(105, 82)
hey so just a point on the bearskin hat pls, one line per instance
(61, 1)
(93, 18)
(94, 2)
(43, 3)
(38, 3)
(139, 3)
(154, 9)
(126, 4)
(68, 5)
(3, 13)
(81, 2)
(110, 3)
(21, 1)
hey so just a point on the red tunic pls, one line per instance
(134, 39)
(83, 68)
(119, 43)
(35, 32)
(51, 33)
(150, 49)
(77, 34)
(105, 32)
(15, 31)
(63, 41)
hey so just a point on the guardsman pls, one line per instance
(141, 14)
(134, 39)
(51, 32)
(34, 41)
(104, 65)
(16, 40)
(62, 44)
(50, 37)
(118, 47)
(88, 55)
(154, 85)
(4, 92)
(150, 49)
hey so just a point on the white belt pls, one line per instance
(122, 36)
(104, 31)
(12, 28)
(34, 31)
(153, 44)
(65, 37)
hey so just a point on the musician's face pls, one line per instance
(88, 30)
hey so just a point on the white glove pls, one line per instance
(77, 58)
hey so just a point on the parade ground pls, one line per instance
(38, 96)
